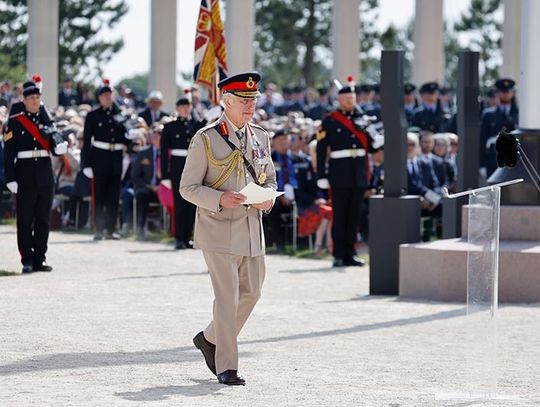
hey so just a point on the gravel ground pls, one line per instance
(112, 326)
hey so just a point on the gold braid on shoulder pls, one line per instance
(227, 165)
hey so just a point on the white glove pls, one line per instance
(213, 114)
(323, 183)
(88, 172)
(482, 171)
(433, 197)
(132, 134)
(61, 148)
(166, 183)
(13, 186)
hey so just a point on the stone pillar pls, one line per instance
(42, 48)
(240, 35)
(346, 39)
(163, 51)
(428, 59)
(511, 39)
(529, 80)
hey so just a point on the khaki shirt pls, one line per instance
(235, 231)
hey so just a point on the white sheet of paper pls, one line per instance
(256, 194)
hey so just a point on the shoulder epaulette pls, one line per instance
(16, 115)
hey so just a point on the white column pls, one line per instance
(239, 35)
(511, 41)
(163, 50)
(346, 39)
(42, 48)
(428, 59)
(529, 80)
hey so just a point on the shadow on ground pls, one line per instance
(198, 389)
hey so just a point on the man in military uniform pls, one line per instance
(344, 135)
(28, 171)
(101, 159)
(494, 119)
(429, 115)
(175, 141)
(222, 159)
(409, 101)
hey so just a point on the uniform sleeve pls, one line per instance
(164, 152)
(86, 149)
(192, 188)
(322, 151)
(9, 154)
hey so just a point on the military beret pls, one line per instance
(185, 99)
(376, 88)
(346, 89)
(429, 87)
(322, 91)
(243, 85)
(409, 88)
(505, 84)
(363, 88)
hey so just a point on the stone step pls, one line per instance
(516, 222)
(438, 270)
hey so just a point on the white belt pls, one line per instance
(179, 152)
(107, 146)
(355, 152)
(33, 154)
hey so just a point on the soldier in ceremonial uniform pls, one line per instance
(29, 143)
(409, 101)
(430, 115)
(222, 159)
(494, 119)
(345, 136)
(175, 141)
(101, 159)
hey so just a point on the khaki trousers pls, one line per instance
(237, 283)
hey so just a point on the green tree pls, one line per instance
(480, 22)
(290, 38)
(82, 50)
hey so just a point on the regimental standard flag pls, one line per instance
(210, 51)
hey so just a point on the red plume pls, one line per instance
(106, 82)
(349, 78)
(36, 78)
(187, 91)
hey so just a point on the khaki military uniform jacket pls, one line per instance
(236, 231)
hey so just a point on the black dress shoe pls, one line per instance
(98, 236)
(208, 350)
(338, 263)
(354, 261)
(231, 378)
(180, 245)
(42, 267)
(27, 269)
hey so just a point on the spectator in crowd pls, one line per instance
(409, 101)
(86, 97)
(127, 192)
(429, 115)
(504, 116)
(441, 149)
(318, 110)
(270, 99)
(5, 94)
(286, 181)
(153, 112)
(146, 177)
(364, 96)
(68, 96)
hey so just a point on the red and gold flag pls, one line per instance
(210, 50)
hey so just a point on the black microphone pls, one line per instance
(506, 148)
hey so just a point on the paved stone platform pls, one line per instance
(112, 326)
